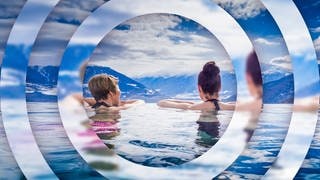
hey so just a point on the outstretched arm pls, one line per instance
(130, 103)
(178, 101)
(179, 104)
(227, 106)
(123, 106)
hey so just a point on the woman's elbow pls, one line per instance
(139, 101)
(161, 103)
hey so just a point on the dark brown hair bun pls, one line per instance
(209, 78)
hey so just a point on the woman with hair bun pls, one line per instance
(209, 86)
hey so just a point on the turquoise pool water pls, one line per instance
(175, 134)
(160, 137)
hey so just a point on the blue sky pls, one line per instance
(60, 25)
(299, 43)
(23, 34)
(29, 20)
(263, 32)
(311, 15)
(7, 19)
(267, 38)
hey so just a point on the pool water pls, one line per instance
(160, 137)
(311, 166)
(143, 137)
(54, 144)
(264, 145)
(8, 165)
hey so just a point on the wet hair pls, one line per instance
(253, 68)
(102, 85)
(209, 78)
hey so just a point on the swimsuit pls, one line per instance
(215, 102)
(103, 127)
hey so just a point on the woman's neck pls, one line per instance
(209, 97)
(107, 101)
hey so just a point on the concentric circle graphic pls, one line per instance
(98, 89)
(164, 57)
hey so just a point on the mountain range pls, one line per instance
(152, 88)
(41, 86)
(177, 86)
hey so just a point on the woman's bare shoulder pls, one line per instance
(227, 106)
(201, 106)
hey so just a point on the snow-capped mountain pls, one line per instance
(272, 72)
(279, 91)
(129, 87)
(186, 86)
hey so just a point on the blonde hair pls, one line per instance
(102, 85)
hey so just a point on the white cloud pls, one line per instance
(159, 23)
(138, 69)
(284, 62)
(83, 5)
(221, 24)
(272, 50)
(97, 25)
(73, 11)
(69, 73)
(242, 8)
(115, 12)
(68, 14)
(316, 43)
(58, 29)
(49, 91)
(27, 26)
(11, 77)
(316, 30)
(266, 41)
(47, 3)
(31, 88)
(49, 38)
(298, 40)
(34, 12)
(10, 9)
(149, 50)
(295, 32)
(49, 32)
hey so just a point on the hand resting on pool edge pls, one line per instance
(106, 92)
(209, 86)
